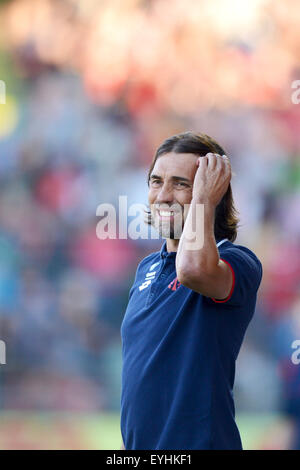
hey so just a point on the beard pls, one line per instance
(171, 227)
(167, 232)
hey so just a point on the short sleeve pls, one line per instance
(246, 275)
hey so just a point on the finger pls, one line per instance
(227, 171)
(220, 162)
(210, 156)
(212, 160)
(203, 161)
(226, 159)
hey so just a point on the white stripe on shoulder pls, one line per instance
(222, 241)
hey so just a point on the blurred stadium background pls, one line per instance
(92, 88)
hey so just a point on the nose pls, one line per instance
(165, 194)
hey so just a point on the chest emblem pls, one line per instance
(149, 277)
(174, 284)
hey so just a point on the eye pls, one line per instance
(155, 183)
(181, 185)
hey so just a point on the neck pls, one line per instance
(172, 245)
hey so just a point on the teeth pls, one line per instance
(166, 213)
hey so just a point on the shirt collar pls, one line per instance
(221, 241)
(164, 252)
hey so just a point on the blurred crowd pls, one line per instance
(79, 129)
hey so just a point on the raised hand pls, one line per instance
(212, 178)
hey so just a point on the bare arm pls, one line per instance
(202, 270)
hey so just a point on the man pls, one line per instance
(188, 308)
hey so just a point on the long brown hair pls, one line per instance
(226, 219)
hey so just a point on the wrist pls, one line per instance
(202, 199)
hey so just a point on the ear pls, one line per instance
(147, 216)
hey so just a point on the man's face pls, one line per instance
(170, 189)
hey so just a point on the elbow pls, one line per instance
(181, 277)
(196, 281)
(182, 272)
(194, 277)
(187, 277)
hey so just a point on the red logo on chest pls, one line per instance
(174, 284)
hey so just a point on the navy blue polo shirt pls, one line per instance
(179, 351)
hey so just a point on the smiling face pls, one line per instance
(170, 189)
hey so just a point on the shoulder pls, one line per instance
(149, 261)
(239, 252)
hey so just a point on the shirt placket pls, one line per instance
(161, 276)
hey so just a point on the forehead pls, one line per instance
(176, 164)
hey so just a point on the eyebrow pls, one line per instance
(174, 178)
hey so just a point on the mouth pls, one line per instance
(164, 213)
(169, 221)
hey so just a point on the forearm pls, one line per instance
(198, 264)
(203, 260)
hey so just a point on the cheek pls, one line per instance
(184, 197)
(151, 196)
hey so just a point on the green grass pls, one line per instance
(20, 430)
